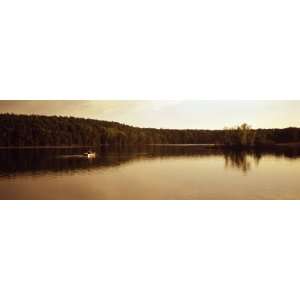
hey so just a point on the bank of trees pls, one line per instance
(33, 130)
(245, 136)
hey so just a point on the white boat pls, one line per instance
(90, 154)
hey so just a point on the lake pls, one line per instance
(149, 172)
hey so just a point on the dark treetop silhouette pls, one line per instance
(35, 130)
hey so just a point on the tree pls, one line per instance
(240, 136)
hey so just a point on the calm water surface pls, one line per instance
(153, 172)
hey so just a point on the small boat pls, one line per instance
(90, 154)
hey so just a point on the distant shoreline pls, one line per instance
(45, 147)
(102, 145)
(169, 145)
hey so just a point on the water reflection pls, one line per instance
(237, 160)
(14, 162)
(243, 160)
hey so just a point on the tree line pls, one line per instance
(36, 130)
(245, 136)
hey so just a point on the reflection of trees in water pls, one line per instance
(37, 161)
(241, 159)
(237, 159)
(40, 161)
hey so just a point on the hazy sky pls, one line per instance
(169, 114)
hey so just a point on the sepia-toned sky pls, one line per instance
(168, 114)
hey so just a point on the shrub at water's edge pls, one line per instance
(244, 136)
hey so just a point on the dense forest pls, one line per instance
(35, 130)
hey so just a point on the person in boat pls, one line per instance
(90, 154)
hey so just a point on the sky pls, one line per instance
(168, 114)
